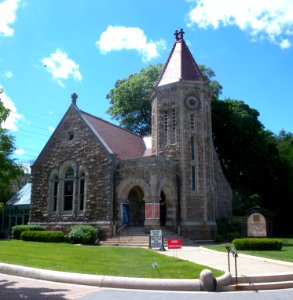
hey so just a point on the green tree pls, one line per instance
(252, 160)
(285, 146)
(9, 170)
(247, 152)
(284, 199)
(130, 100)
(208, 75)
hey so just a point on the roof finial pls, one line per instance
(73, 98)
(181, 33)
(176, 35)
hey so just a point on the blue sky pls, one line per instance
(52, 48)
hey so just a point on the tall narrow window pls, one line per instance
(192, 124)
(55, 193)
(81, 192)
(173, 137)
(192, 147)
(193, 178)
(68, 190)
(165, 127)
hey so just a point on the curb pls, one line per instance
(104, 281)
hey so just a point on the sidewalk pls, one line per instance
(246, 264)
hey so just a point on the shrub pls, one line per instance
(82, 234)
(227, 229)
(258, 244)
(19, 229)
(43, 236)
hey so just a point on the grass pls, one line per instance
(115, 261)
(286, 254)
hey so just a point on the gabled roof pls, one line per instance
(22, 197)
(180, 64)
(117, 140)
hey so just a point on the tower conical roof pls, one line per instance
(180, 64)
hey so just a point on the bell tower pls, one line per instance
(181, 131)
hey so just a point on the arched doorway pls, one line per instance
(136, 207)
(163, 209)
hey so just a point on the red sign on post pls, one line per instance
(175, 244)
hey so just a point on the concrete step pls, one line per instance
(259, 278)
(260, 282)
(136, 236)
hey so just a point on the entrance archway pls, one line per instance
(163, 209)
(136, 207)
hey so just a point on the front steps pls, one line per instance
(136, 237)
(260, 282)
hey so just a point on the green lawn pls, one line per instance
(116, 261)
(286, 254)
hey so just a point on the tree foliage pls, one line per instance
(9, 170)
(130, 100)
(247, 152)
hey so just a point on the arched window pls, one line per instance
(55, 193)
(68, 190)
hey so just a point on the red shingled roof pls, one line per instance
(120, 141)
(180, 66)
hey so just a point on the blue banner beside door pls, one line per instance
(125, 213)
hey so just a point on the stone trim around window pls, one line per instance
(68, 190)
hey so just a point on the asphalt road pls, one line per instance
(14, 288)
(111, 294)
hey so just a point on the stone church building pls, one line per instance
(94, 172)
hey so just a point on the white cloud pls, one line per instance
(61, 67)
(51, 128)
(14, 116)
(269, 19)
(19, 151)
(117, 38)
(8, 74)
(7, 16)
(26, 167)
(285, 44)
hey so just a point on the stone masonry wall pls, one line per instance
(83, 150)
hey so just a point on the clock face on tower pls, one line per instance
(192, 102)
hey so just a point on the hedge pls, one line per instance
(258, 244)
(43, 236)
(19, 229)
(82, 234)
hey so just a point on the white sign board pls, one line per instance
(156, 240)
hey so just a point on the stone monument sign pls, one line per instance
(256, 225)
